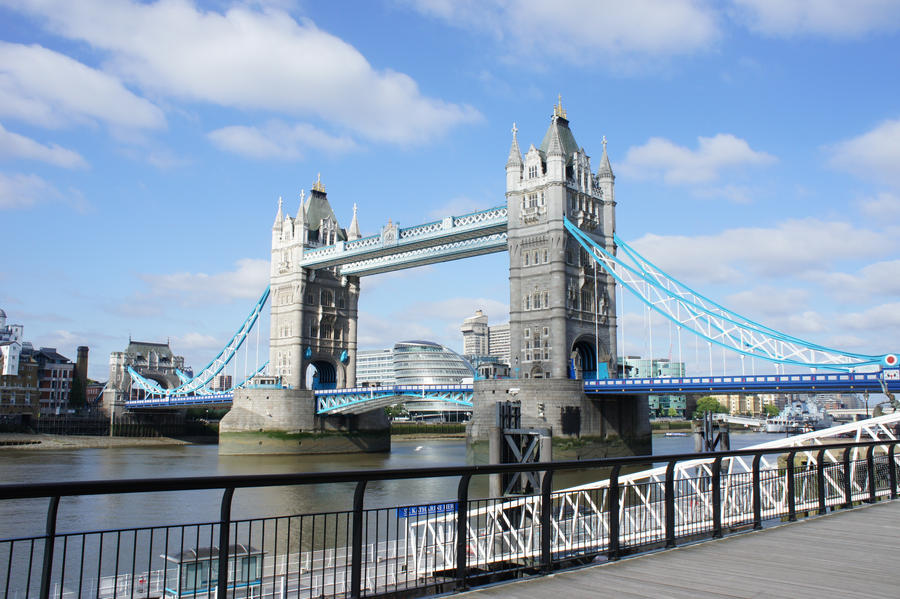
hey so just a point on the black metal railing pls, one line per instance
(372, 551)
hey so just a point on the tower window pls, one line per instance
(527, 257)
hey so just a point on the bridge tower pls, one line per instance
(313, 323)
(561, 311)
(313, 312)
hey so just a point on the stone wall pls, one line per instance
(581, 426)
(275, 421)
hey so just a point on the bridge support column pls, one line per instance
(581, 427)
(284, 421)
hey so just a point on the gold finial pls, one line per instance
(318, 185)
(558, 109)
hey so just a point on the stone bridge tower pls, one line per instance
(561, 318)
(313, 312)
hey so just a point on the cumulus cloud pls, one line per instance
(884, 206)
(246, 281)
(49, 89)
(13, 145)
(278, 140)
(788, 249)
(676, 164)
(875, 153)
(576, 30)
(195, 340)
(250, 59)
(837, 19)
(878, 279)
(24, 191)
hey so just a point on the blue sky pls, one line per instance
(144, 146)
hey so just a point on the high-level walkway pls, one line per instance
(847, 553)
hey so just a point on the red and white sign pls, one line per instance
(890, 360)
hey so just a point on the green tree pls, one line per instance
(709, 404)
(673, 413)
(396, 411)
(770, 410)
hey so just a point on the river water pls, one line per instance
(24, 518)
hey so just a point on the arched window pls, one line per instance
(527, 257)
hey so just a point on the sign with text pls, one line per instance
(426, 510)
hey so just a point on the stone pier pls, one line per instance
(283, 421)
(581, 427)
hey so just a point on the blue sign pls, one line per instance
(426, 510)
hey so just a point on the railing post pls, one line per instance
(462, 532)
(717, 498)
(820, 481)
(892, 471)
(356, 552)
(757, 493)
(870, 466)
(791, 491)
(613, 506)
(848, 486)
(224, 537)
(49, 545)
(670, 504)
(546, 527)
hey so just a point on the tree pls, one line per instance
(709, 404)
(396, 411)
(770, 410)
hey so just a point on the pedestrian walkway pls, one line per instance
(851, 553)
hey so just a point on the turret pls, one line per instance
(514, 164)
(353, 231)
(277, 226)
(606, 181)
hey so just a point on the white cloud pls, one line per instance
(875, 153)
(878, 279)
(13, 145)
(678, 164)
(49, 89)
(194, 340)
(23, 191)
(876, 318)
(884, 206)
(789, 249)
(252, 59)
(456, 309)
(584, 30)
(735, 194)
(829, 18)
(278, 140)
(378, 333)
(247, 281)
(767, 301)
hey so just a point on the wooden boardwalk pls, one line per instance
(854, 553)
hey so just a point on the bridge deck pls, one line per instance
(844, 554)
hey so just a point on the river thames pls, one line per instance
(21, 518)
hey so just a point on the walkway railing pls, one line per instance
(427, 549)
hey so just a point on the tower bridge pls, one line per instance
(565, 264)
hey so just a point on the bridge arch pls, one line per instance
(322, 373)
(583, 360)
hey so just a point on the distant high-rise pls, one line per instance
(480, 340)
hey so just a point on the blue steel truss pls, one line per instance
(710, 321)
(451, 238)
(200, 381)
(363, 399)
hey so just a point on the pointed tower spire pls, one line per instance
(280, 216)
(353, 231)
(301, 211)
(605, 170)
(515, 155)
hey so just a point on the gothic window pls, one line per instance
(537, 300)
(313, 330)
(528, 345)
(327, 297)
(532, 171)
(546, 299)
(528, 356)
(326, 331)
(341, 301)
(546, 331)
(532, 200)
(528, 302)
(546, 256)
(542, 199)
(536, 257)
(310, 299)
(527, 333)
(527, 257)
(568, 256)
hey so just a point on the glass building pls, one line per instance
(660, 405)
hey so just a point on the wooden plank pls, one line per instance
(844, 554)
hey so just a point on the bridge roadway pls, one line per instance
(847, 553)
(362, 399)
